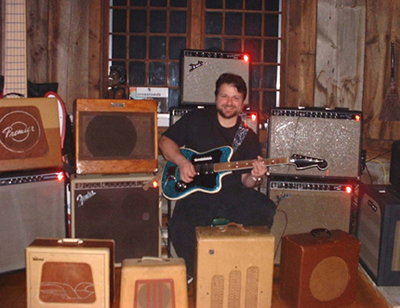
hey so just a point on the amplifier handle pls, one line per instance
(145, 258)
(234, 225)
(76, 241)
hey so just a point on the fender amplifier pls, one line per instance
(32, 205)
(234, 266)
(305, 205)
(125, 208)
(201, 69)
(115, 136)
(378, 229)
(70, 273)
(332, 135)
(29, 134)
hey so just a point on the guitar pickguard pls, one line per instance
(207, 180)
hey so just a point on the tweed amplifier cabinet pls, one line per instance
(153, 283)
(305, 205)
(333, 135)
(234, 266)
(379, 233)
(115, 136)
(201, 69)
(29, 134)
(319, 268)
(70, 273)
(32, 205)
(125, 208)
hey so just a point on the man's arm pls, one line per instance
(171, 152)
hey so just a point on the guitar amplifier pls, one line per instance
(32, 205)
(319, 269)
(234, 266)
(153, 282)
(378, 229)
(115, 136)
(309, 204)
(332, 135)
(125, 208)
(70, 273)
(29, 134)
(201, 69)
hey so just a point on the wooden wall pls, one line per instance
(329, 59)
(332, 62)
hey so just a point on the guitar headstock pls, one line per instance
(305, 162)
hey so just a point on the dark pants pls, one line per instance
(241, 205)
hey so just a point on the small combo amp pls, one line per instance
(153, 282)
(115, 136)
(29, 134)
(332, 135)
(32, 205)
(319, 268)
(70, 273)
(378, 229)
(125, 208)
(235, 266)
(306, 205)
(201, 69)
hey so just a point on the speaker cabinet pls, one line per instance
(70, 273)
(319, 269)
(234, 266)
(115, 136)
(395, 166)
(29, 134)
(201, 69)
(125, 208)
(32, 205)
(378, 229)
(333, 135)
(153, 283)
(306, 205)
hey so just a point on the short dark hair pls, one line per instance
(233, 80)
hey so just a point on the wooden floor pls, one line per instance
(13, 292)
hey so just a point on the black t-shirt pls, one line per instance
(200, 131)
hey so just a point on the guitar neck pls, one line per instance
(15, 66)
(247, 164)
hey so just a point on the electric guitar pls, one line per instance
(213, 165)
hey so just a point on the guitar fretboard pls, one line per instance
(247, 164)
(15, 66)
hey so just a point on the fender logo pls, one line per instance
(83, 198)
(196, 65)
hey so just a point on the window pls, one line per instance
(148, 36)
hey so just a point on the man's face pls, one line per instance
(229, 101)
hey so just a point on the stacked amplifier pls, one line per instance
(115, 193)
(32, 185)
(315, 190)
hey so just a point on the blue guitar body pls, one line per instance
(206, 181)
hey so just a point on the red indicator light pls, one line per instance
(348, 189)
(155, 184)
(246, 58)
(358, 117)
(60, 176)
(253, 117)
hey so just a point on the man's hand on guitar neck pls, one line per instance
(256, 176)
